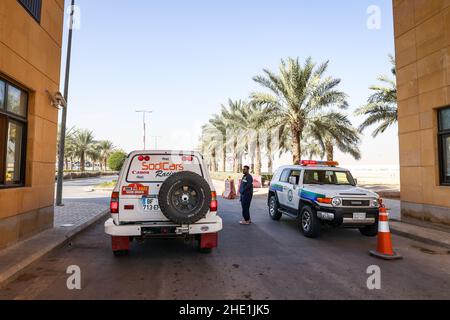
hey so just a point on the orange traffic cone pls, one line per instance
(384, 250)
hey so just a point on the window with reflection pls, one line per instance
(444, 145)
(13, 125)
(2, 94)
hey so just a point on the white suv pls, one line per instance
(319, 193)
(163, 194)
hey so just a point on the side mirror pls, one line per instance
(356, 181)
(293, 180)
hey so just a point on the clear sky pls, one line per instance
(183, 59)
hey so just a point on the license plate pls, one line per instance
(150, 204)
(359, 216)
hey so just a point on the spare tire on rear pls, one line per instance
(185, 197)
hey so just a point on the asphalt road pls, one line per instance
(267, 260)
(81, 190)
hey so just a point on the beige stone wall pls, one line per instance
(30, 55)
(422, 37)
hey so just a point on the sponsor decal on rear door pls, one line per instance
(135, 190)
(156, 168)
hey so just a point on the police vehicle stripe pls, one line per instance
(308, 195)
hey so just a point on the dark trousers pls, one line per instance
(246, 201)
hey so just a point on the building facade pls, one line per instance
(422, 40)
(30, 58)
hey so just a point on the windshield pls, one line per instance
(322, 177)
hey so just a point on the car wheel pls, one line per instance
(369, 231)
(310, 225)
(121, 253)
(185, 197)
(205, 250)
(273, 209)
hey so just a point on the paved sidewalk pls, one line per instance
(71, 219)
(75, 213)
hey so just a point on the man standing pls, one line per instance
(246, 192)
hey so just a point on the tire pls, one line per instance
(185, 197)
(121, 253)
(273, 209)
(369, 231)
(309, 224)
(205, 250)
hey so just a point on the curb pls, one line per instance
(419, 238)
(103, 189)
(58, 241)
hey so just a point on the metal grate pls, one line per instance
(33, 7)
(356, 203)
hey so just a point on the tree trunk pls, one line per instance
(224, 158)
(258, 163)
(296, 146)
(235, 157)
(329, 149)
(269, 154)
(213, 161)
(82, 162)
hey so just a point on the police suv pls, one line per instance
(163, 194)
(319, 193)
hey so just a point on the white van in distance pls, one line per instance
(163, 194)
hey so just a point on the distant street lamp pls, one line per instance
(62, 140)
(156, 141)
(144, 112)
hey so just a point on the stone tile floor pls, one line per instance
(75, 213)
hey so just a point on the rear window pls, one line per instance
(158, 167)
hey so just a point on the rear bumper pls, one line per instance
(170, 230)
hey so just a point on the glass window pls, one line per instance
(34, 7)
(285, 175)
(444, 145)
(446, 158)
(2, 95)
(444, 119)
(13, 124)
(323, 177)
(14, 153)
(17, 101)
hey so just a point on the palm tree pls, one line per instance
(209, 145)
(299, 93)
(312, 149)
(253, 119)
(381, 108)
(67, 145)
(83, 140)
(231, 114)
(335, 129)
(219, 126)
(94, 154)
(69, 152)
(106, 149)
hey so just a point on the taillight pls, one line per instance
(114, 204)
(214, 205)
